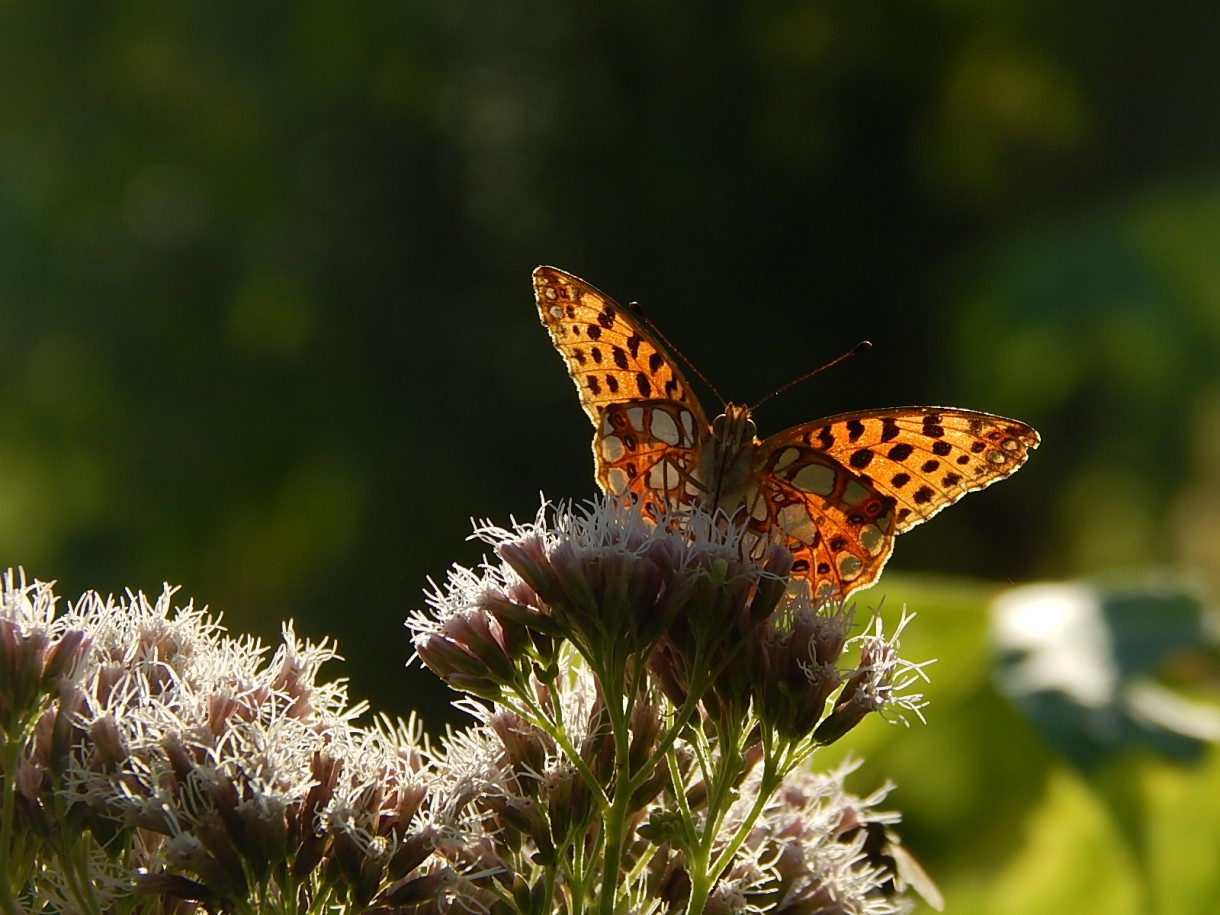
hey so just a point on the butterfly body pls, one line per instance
(729, 464)
(834, 491)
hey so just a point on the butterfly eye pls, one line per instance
(718, 425)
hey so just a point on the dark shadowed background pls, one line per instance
(266, 324)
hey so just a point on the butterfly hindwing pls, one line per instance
(839, 528)
(649, 450)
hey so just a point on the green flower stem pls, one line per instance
(532, 712)
(767, 785)
(616, 815)
(719, 784)
(71, 853)
(8, 761)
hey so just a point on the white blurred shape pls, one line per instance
(1058, 641)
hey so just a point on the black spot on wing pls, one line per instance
(900, 452)
(860, 459)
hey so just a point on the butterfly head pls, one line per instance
(734, 429)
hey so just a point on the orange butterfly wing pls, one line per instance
(835, 492)
(926, 458)
(839, 529)
(648, 425)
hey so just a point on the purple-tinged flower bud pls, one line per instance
(311, 851)
(22, 657)
(865, 691)
(222, 868)
(180, 759)
(528, 558)
(146, 884)
(468, 648)
(415, 891)
(667, 671)
(361, 871)
(796, 659)
(295, 679)
(519, 607)
(526, 747)
(309, 841)
(264, 834)
(66, 655)
(413, 851)
(109, 675)
(646, 722)
(110, 752)
(772, 585)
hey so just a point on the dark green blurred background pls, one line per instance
(266, 325)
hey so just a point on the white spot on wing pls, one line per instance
(612, 448)
(795, 522)
(815, 478)
(855, 493)
(849, 566)
(872, 539)
(635, 416)
(616, 481)
(663, 476)
(785, 458)
(664, 428)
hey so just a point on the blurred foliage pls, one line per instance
(1004, 823)
(266, 328)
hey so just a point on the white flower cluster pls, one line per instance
(200, 766)
(646, 698)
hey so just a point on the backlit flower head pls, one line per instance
(228, 771)
(606, 581)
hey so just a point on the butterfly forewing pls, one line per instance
(610, 356)
(648, 426)
(924, 457)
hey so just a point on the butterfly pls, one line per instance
(835, 491)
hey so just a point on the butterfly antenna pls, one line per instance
(638, 309)
(856, 350)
